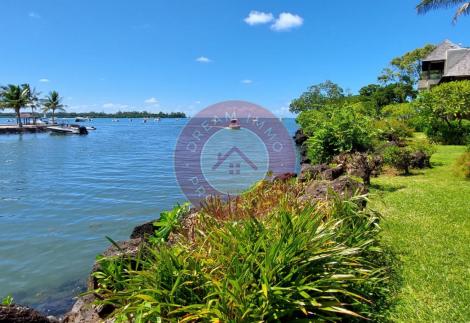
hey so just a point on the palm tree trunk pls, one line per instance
(53, 116)
(32, 115)
(18, 117)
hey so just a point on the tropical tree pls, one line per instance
(446, 108)
(406, 68)
(52, 103)
(33, 99)
(427, 5)
(317, 97)
(15, 97)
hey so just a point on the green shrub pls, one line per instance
(393, 130)
(446, 109)
(292, 262)
(407, 113)
(422, 152)
(462, 165)
(398, 157)
(448, 134)
(335, 130)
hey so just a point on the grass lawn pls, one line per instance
(427, 223)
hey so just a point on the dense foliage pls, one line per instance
(280, 261)
(317, 96)
(335, 129)
(446, 109)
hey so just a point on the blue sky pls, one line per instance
(111, 55)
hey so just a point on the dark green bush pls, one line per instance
(398, 157)
(422, 152)
(448, 134)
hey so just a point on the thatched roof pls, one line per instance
(462, 67)
(440, 53)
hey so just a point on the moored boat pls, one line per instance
(69, 129)
(234, 124)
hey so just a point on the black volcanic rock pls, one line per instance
(21, 314)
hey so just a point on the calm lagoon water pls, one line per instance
(61, 195)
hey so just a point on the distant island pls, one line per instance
(119, 114)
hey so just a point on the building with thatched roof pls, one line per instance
(448, 62)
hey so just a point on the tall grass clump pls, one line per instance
(311, 262)
(462, 165)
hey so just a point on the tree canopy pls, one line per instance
(317, 96)
(406, 68)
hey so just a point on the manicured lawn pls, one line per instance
(427, 223)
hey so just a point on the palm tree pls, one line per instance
(33, 99)
(53, 102)
(427, 5)
(15, 97)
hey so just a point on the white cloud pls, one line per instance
(34, 15)
(44, 80)
(203, 59)
(257, 18)
(151, 100)
(247, 81)
(287, 21)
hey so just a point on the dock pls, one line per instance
(13, 129)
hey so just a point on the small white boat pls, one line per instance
(82, 119)
(69, 129)
(234, 124)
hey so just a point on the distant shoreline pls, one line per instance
(118, 115)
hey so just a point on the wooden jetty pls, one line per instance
(12, 129)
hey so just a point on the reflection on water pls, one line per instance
(61, 195)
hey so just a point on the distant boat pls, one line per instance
(82, 119)
(157, 119)
(234, 124)
(69, 129)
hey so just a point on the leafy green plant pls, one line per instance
(290, 262)
(169, 221)
(393, 130)
(447, 110)
(8, 300)
(336, 130)
(398, 157)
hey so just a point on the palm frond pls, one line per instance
(463, 10)
(427, 5)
